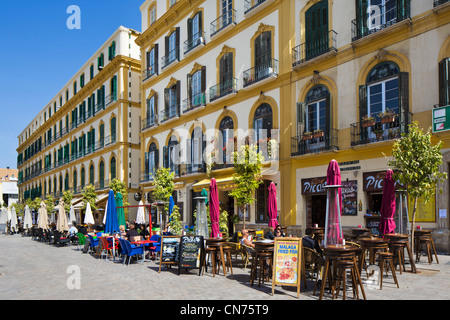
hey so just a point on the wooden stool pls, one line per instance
(398, 249)
(386, 257)
(342, 268)
(253, 268)
(227, 255)
(211, 252)
(264, 258)
(427, 241)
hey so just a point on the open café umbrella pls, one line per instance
(61, 224)
(140, 216)
(88, 217)
(43, 216)
(333, 227)
(214, 210)
(13, 224)
(27, 220)
(120, 212)
(387, 223)
(272, 206)
(112, 224)
(171, 205)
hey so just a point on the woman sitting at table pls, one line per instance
(279, 232)
(270, 234)
(131, 232)
(246, 240)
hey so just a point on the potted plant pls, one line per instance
(307, 136)
(367, 121)
(318, 134)
(388, 116)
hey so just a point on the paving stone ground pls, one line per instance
(31, 270)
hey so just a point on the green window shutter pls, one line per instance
(113, 129)
(404, 101)
(444, 82)
(361, 18)
(113, 168)
(91, 72)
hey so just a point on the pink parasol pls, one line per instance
(333, 230)
(214, 210)
(272, 206)
(387, 223)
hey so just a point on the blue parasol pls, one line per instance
(111, 223)
(171, 205)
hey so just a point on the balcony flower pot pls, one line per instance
(318, 134)
(368, 123)
(388, 119)
(307, 136)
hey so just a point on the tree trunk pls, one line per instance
(413, 222)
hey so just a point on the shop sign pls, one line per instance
(314, 186)
(373, 181)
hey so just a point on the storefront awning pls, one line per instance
(224, 183)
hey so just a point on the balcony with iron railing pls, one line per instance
(149, 122)
(194, 102)
(314, 48)
(265, 70)
(148, 72)
(170, 57)
(146, 177)
(381, 18)
(171, 112)
(194, 43)
(253, 6)
(314, 142)
(223, 89)
(377, 129)
(223, 23)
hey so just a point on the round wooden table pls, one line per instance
(317, 233)
(260, 247)
(372, 244)
(358, 232)
(403, 237)
(218, 244)
(333, 253)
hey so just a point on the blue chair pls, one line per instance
(156, 245)
(93, 242)
(131, 249)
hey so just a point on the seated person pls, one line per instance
(122, 232)
(73, 229)
(131, 232)
(269, 235)
(144, 231)
(246, 240)
(279, 232)
(82, 229)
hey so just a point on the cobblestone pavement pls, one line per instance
(31, 270)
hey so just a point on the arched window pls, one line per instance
(197, 145)
(151, 161)
(172, 155)
(113, 129)
(113, 168)
(226, 139)
(263, 122)
(102, 174)
(91, 174)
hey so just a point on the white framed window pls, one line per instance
(382, 96)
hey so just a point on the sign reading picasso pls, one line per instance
(314, 186)
(373, 181)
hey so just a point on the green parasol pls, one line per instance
(120, 211)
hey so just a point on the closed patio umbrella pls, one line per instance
(111, 225)
(387, 223)
(43, 216)
(333, 227)
(214, 210)
(140, 216)
(171, 205)
(272, 206)
(4, 216)
(88, 217)
(13, 224)
(61, 224)
(27, 221)
(72, 216)
(120, 212)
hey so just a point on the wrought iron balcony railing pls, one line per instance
(222, 89)
(149, 122)
(261, 72)
(170, 112)
(225, 20)
(195, 41)
(170, 57)
(314, 142)
(197, 100)
(312, 49)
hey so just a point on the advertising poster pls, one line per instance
(287, 262)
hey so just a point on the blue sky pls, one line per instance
(40, 54)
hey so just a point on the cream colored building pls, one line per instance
(298, 66)
(85, 133)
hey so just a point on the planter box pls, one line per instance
(368, 124)
(318, 135)
(387, 120)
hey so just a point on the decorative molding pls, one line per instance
(172, 82)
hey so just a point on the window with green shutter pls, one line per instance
(101, 61)
(114, 88)
(91, 72)
(113, 129)
(91, 174)
(82, 80)
(113, 168)
(112, 51)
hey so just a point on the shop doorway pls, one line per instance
(375, 200)
(318, 210)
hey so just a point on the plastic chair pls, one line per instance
(156, 246)
(93, 242)
(131, 250)
(106, 247)
(59, 239)
(81, 240)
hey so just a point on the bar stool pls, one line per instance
(342, 267)
(398, 249)
(227, 257)
(264, 258)
(210, 252)
(424, 240)
(386, 260)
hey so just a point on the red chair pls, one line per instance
(106, 247)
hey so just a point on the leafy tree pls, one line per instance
(90, 196)
(417, 163)
(117, 185)
(49, 204)
(36, 203)
(67, 198)
(163, 184)
(175, 223)
(247, 177)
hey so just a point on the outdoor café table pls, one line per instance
(218, 243)
(316, 232)
(403, 237)
(421, 233)
(143, 242)
(264, 246)
(358, 232)
(372, 244)
(334, 253)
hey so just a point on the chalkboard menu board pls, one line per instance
(169, 254)
(191, 253)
